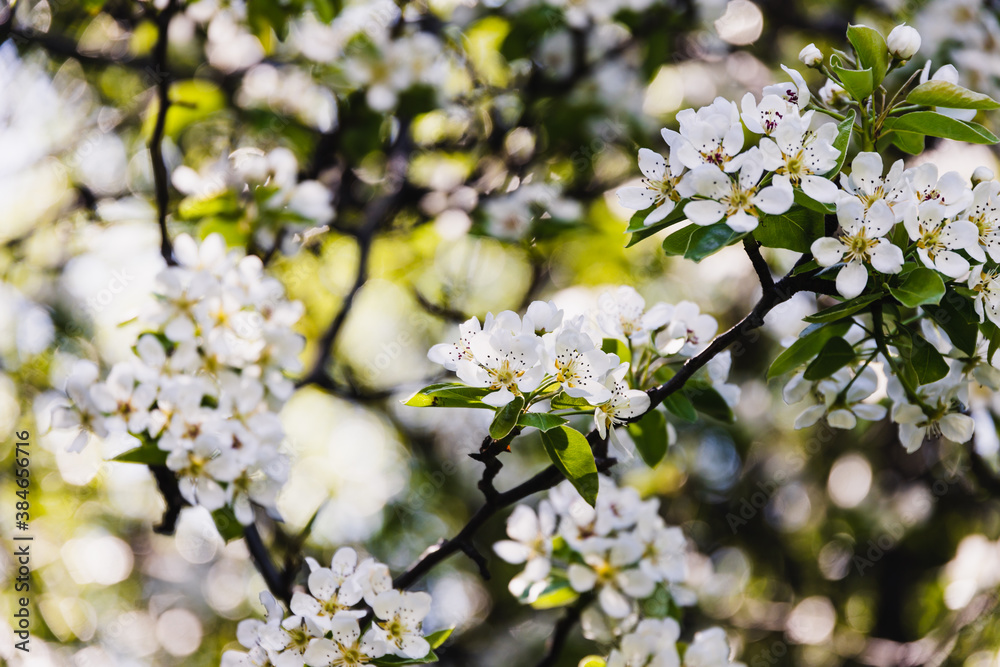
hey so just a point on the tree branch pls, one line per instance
(162, 77)
(759, 265)
(277, 583)
(564, 626)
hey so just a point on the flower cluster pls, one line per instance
(207, 380)
(708, 169)
(325, 625)
(623, 554)
(545, 356)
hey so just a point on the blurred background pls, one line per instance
(465, 154)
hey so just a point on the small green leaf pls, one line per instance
(225, 522)
(708, 401)
(950, 96)
(805, 348)
(696, 242)
(858, 82)
(794, 230)
(927, 362)
(147, 454)
(939, 125)
(802, 199)
(449, 395)
(836, 354)
(957, 316)
(920, 287)
(640, 231)
(506, 418)
(556, 597)
(392, 660)
(843, 140)
(570, 452)
(541, 420)
(435, 639)
(650, 436)
(872, 50)
(842, 310)
(592, 661)
(680, 405)
(564, 401)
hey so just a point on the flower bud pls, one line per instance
(833, 94)
(981, 174)
(903, 42)
(811, 56)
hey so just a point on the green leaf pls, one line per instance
(225, 522)
(543, 421)
(794, 230)
(950, 96)
(843, 140)
(805, 348)
(435, 639)
(858, 82)
(640, 231)
(708, 401)
(927, 362)
(920, 287)
(506, 418)
(680, 405)
(836, 354)
(957, 316)
(449, 395)
(615, 346)
(147, 454)
(911, 143)
(802, 199)
(392, 660)
(872, 50)
(696, 242)
(939, 125)
(570, 452)
(593, 661)
(650, 436)
(555, 596)
(842, 310)
(564, 401)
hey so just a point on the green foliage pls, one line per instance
(650, 436)
(835, 354)
(794, 230)
(570, 452)
(920, 287)
(809, 344)
(506, 418)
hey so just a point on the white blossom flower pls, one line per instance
(578, 365)
(530, 543)
(653, 643)
(610, 569)
(347, 648)
(622, 314)
(712, 135)
(623, 405)
(949, 190)
(710, 648)
(739, 200)
(984, 213)
(986, 284)
(804, 156)
(689, 331)
(766, 116)
(795, 91)
(866, 184)
(399, 619)
(87, 409)
(915, 426)
(938, 238)
(659, 188)
(861, 243)
(903, 42)
(810, 56)
(507, 364)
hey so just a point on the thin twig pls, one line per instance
(278, 584)
(162, 77)
(166, 482)
(560, 633)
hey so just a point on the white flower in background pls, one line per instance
(610, 569)
(986, 284)
(841, 408)
(347, 648)
(689, 331)
(530, 543)
(950, 190)
(622, 314)
(938, 238)
(710, 648)
(542, 317)
(741, 200)
(201, 468)
(811, 56)
(867, 185)
(399, 617)
(718, 372)
(804, 156)
(713, 135)
(623, 405)
(795, 91)
(87, 408)
(861, 243)
(833, 94)
(915, 426)
(653, 643)
(659, 188)
(984, 213)
(449, 354)
(373, 577)
(903, 42)
(332, 591)
(664, 547)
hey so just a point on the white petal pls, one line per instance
(957, 428)
(636, 198)
(704, 211)
(852, 279)
(827, 251)
(652, 165)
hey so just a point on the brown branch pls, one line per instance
(162, 77)
(166, 482)
(277, 582)
(752, 247)
(564, 626)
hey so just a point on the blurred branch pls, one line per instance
(564, 626)
(752, 247)
(166, 482)
(277, 582)
(162, 77)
